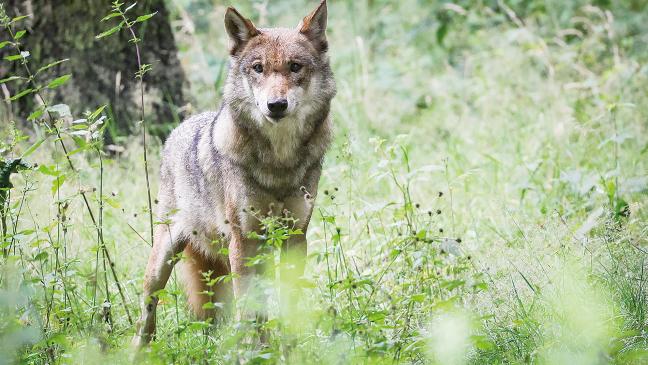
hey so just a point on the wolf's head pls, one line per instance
(279, 75)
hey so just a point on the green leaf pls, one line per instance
(10, 78)
(58, 81)
(110, 16)
(212, 305)
(21, 94)
(419, 298)
(112, 202)
(19, 34)
(109, 31)
(452, 284)
(33, 148)
(51, 65)
(15, 57)
(3, 44)
(143, 18)
(441, 32)
(19, 18)
(48, 170)
(621, 208)
(198, 325)
(482, 342)
(84, 147)
(57, 183)
(96, 113)
(36, 114)
(58, 338)
(376, 316)
(41, 256)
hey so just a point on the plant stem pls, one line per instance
(135, 41)
(74, 170)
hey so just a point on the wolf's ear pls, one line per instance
(239, 29)
(313, 26)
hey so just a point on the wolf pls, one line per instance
(261, 152)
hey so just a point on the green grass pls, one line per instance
(485, 200)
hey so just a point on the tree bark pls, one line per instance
(103, 70)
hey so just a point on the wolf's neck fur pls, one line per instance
(284, 137)
(274, 153)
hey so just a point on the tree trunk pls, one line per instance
(103, 70)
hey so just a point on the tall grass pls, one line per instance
(484, 201)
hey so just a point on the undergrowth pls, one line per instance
(484, 201)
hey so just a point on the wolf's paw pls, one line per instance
(138, 345)
(140, 340)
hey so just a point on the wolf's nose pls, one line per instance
(278, 106)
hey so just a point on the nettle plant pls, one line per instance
(379, 304)
(410, 269)
(51, 280)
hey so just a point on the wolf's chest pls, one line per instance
(284, 142)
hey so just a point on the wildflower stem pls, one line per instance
(140, 76)
(59, 138)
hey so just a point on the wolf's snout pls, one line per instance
(277, 107)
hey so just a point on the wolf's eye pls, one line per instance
(295, 67)
(257, 67)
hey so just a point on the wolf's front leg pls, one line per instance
(293, 258)
(294, 250)
(248, 301)
(168, 241)
(293, 262)
(248, 281)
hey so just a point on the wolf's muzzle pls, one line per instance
(277, 108)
